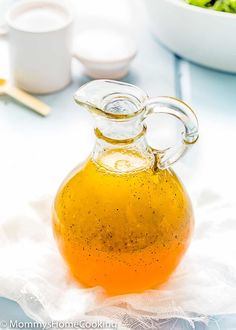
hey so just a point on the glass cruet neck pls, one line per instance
(121, 146)
(121, 143)
(120, 132)
(117, 107)
(120, 110)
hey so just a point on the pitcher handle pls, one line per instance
(180, 110)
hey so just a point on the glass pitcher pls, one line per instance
(122, 219)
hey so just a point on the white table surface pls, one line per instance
(37, 153)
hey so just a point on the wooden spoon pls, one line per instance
(24, 98)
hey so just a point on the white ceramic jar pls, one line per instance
(40, 45)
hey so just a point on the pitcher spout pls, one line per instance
(112, 99)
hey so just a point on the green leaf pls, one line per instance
(200, 3)
(219, 5)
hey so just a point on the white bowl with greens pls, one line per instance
(205, 35)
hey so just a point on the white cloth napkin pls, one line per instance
(33, 273)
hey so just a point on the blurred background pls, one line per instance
(37, 153)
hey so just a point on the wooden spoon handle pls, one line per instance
(28, 100)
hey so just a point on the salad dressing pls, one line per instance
(122, 219)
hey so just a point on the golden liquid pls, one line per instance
(125, 231)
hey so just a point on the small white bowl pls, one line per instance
(105, 54)
(204, 36)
